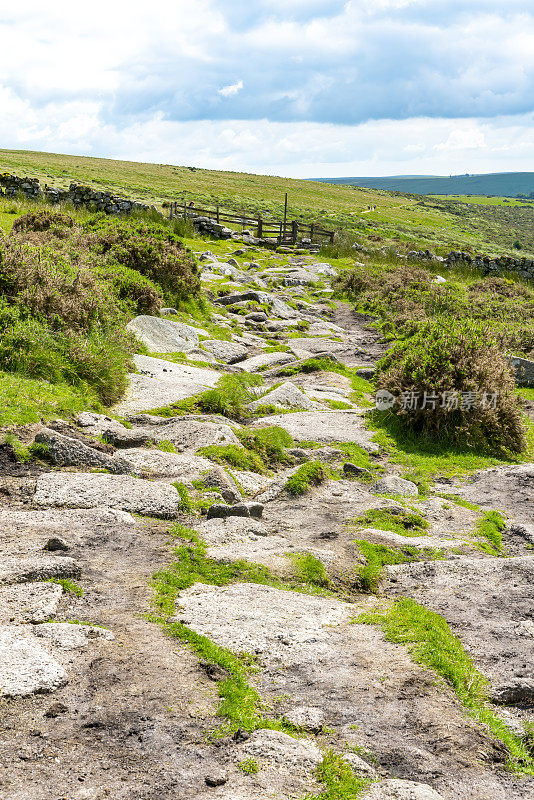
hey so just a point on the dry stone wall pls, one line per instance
(77, 194)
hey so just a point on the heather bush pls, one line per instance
(468, 384)
(151, 248)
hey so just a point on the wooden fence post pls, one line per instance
(311, 233)
(217, 215)
(259, 232)
(294, 231)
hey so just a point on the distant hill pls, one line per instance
(504, 184)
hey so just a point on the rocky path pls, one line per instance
(98, 702)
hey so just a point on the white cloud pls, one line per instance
(231, 90)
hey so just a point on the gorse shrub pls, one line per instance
(453, 383)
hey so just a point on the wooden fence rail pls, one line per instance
(285, 231)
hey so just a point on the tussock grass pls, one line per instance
(490, 528)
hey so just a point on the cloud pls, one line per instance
(231, 90)
(297, 86)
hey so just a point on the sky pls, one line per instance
(299, 88)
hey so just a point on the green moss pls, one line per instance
(166, 446)
(431, 643)
(235, 456)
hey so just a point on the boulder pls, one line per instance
(25, 667)
(229, 352)
(287, 395)
(36, 568)
(29, 602)
(257, 363)
(161, 383)
(68, 452)
(394, 485)
(94, 490)
(524, 370)
(219, 479)
(164, 335)
(282, 749)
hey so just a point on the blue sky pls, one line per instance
(291, 87)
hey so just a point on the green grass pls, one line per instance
(166, 446)
(26, 400)
(68, 586)
(309, 569)
(338, 779)
(490, 528)
(424, 459)
(378, 556)
(21, 451)
(310, 474)
(234, 456)
(403, 522)
(261, 449)
(431, 643)
(398, 221)
(460, 501)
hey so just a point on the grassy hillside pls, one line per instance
(398, 220)
(500, 183)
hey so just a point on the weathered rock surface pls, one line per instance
(229, 352)
(29, 602)
(487, 602)
(25, 667)
(161, 383)
(287, 395)
(65, 490)
(256, 363)
(66, 452)
(323, 426)
(165, 336)
(401, 790)
(394, 485)
(36, 568)
(71, 636)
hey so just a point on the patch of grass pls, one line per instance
(166, 446)
(249, 766)
(309, 569)
(460, 501)
(269, 443)
(338, 779)
(27, 400)
(235, 456)
(187, 506)
(401, 521)
(310, 474)
(379, 555)
(68, 586)
(425, 459)
(431, 643)
(490, 528)
(21, 451)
